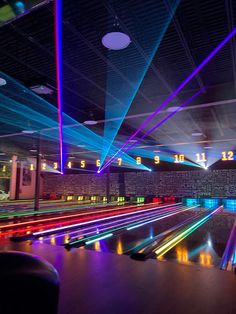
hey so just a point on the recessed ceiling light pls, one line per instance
(72, 157)
(157, 151)
(116, 40)
(28, 131)
(42, 90)
(208, 147)
(81, 145)
(33, 150)
(197, 134)
(2, 81)
(90, 122)
(172, 109)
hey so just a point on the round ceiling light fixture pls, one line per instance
(90, 122)
(2, 81)
(173, 108)
(28, 131)
(197, 134)
(116, 40)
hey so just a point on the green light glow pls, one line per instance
(99, 238)
(182, 235)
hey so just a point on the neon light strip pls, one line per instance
(55, 210)
(8, 226)
(172, 95)
(172, 214)
(123, 221)
(88, 222)
(230, 249)
(170, 244)
(142, 248)
(100, 238)
(68, 223)
(133, 218)
(58, 50)
(163, 216)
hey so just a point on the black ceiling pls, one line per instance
(27, 54)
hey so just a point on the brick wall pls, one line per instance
(221, 183)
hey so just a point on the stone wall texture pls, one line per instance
(215, 183)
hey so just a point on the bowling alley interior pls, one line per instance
(118, 156)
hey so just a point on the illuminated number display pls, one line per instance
(138, 160)
(82, 164)
(179, 158)
(227, 156)
(201, 157)
(156, 160)
(119, 161)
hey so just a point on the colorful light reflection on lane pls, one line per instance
(109, 225)
(162, 216)
(100, 218)
(183, 234)
(60, 218)
(99, 238)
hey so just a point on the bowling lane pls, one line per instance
(115, 222)
(129, 239)
(205, 246)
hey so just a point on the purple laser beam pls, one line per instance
(171, 96)
(165, 119)
(162, 121)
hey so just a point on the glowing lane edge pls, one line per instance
(183, 210)
(95, 220)
(54, 210)
(168, 231)
(87, 222)
(170, 244)
(133, 218)
(146, 222)
(8, 226)
(172, 95)
(68, 224)
(100, 238)
(122, 225)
